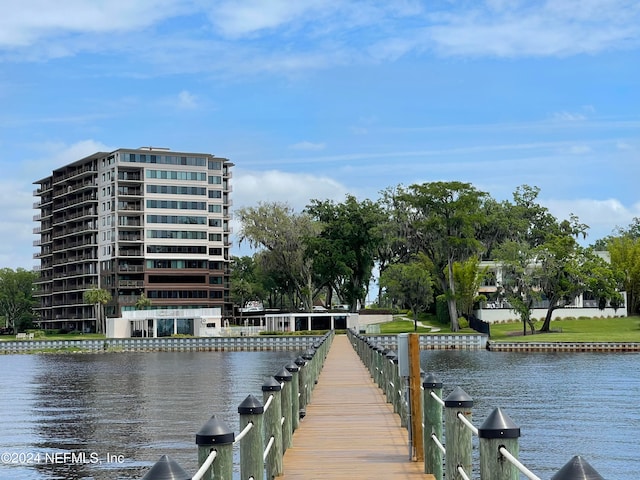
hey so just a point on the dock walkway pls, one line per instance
(349, 430)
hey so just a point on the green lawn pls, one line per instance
(400, 326)
(625, 329)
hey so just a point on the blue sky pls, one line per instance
(316, 99)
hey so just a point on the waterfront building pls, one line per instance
(497, 309)
(133, 221)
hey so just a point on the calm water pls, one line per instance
(565, 404)
(138, 405)
(141, 406)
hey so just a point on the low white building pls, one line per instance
(303, 321)
(497, 309)
(197, 322)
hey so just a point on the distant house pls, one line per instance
(498, 309)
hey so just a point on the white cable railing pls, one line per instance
(462, 473)
(268, 448)
(516, 463)
(205, 465)
(242, 434)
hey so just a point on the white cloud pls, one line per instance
(187, 100)
(579, 149)
(16, 237)
(238, 18)
(569, 117)
(602, 216)
(55, 154)
(307, 146)
(17, 200)
(29, 21)
(296, 189)
(541, 29)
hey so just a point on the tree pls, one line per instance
(276, 228)
(98, 297)
(443, 220)
(520, 279)
(16, 297)
(143, 302)
(410, 284)
(344, 252)
(468, 276)
(625, 258)
(240, 292)
(391, 231)
(568, 270)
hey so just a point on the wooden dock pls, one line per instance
(349, 430)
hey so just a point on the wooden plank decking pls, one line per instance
(349, 431)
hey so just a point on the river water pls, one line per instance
(122, 411)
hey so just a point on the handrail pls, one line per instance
(243, 433)
(516, 463)
(439, 400)
(496, 435)
(268, 448)
(268, 402)
(285, 397)
(436, 440)
(205, 466)
(462, 473)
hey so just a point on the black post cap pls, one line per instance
(250, 406)
(283, 375)
(458, 398)
(166, 469)
(577, 469)
(292, 367)
(498, 425)
(431, 381)
(308, 354)
(214, 432)
(271, 385)
(301, 362)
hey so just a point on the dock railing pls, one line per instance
(266, 427)
(498, 435)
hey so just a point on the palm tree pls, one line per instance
(98, 297)
(143, 302)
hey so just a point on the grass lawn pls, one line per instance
(400, 326)
(626, 329)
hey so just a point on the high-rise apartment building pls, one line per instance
(145, 221)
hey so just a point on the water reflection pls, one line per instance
(137, 406)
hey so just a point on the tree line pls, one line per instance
(426, 241)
